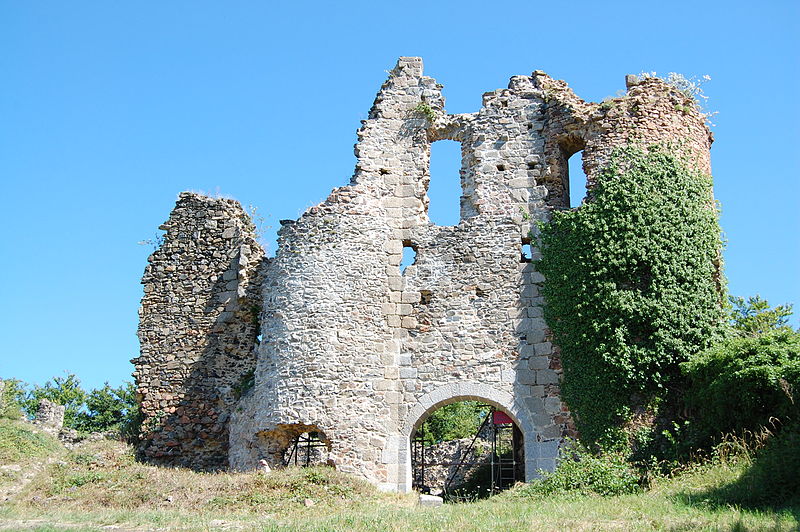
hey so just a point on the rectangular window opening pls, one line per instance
(445, 188)
(577, 180)
(409, 255)
(526, 254)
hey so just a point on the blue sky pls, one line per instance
(109, 110)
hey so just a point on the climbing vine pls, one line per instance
(631, 286)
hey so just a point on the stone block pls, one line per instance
(430, 500)
(546, 376)
(526, 377)
(543, 348)
(539, 362)
(408, 322)
(408, 373)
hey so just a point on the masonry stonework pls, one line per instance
(198, 329)
(351, 346)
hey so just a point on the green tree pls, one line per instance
(754, 316)
(632, 286)
(65, 391)
(12, 397)
(454, 421)
(108, 409)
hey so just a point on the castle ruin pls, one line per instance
(240, 353)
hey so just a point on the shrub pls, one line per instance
(632, 286)
(65, 391)
(580, 472)
(109, 409)
(12, 395)
(742, 383)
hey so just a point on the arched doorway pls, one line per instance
(467, 450)
(530, 447)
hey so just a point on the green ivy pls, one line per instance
(632, 285)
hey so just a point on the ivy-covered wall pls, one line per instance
(632, 286)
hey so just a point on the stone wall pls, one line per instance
(198, 331)
(50, 416)
(361, 351)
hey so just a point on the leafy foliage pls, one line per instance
(100, 410)
(12, 395)
(108, 409)
(454, 421)
(580, 472)
(754, 316)
(65, 391)
(742, 383)
(632, 286)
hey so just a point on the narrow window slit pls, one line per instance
(409, 255)
(577, 179)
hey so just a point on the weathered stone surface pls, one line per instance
(352, 348)
(50, 416)
(198, 327)
(430, 500)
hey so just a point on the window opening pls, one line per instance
(409, 256)
(444, 191)
(527, 251)
(577, 180)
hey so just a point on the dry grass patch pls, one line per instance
(105, 475)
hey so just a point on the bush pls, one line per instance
(12, 395)
(743, 383)
(632, 286)
(109, 409)
(64, 391)
(581, 473)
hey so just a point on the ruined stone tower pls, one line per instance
(350, 347)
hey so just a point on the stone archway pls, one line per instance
(466, 391)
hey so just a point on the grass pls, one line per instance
(21, 448)
(101, 485)
(19, 440)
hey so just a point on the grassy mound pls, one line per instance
(20, 441)
(105, 474)
(100, 485)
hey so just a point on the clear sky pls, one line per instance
(109, 109)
